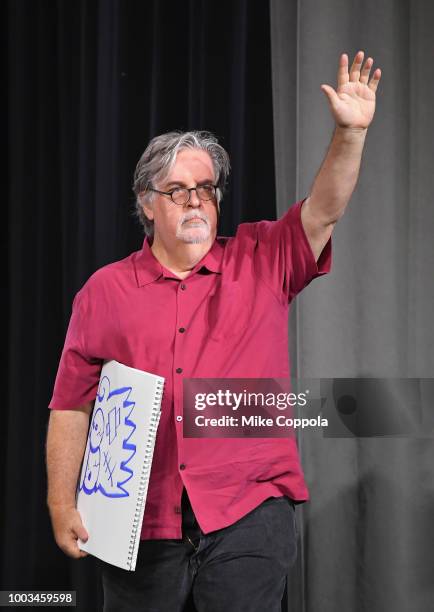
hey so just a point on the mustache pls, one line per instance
(194, 214)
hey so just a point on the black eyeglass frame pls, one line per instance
(170, 193)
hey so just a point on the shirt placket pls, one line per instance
(180, 365)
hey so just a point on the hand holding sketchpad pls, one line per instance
(111, 493)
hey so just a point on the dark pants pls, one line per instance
(240, 568)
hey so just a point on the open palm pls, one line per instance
(353, 103)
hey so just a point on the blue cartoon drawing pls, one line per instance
(110, 446)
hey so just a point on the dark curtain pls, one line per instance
(89, 83)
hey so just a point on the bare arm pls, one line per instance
(333, 187)
(353, 108)
(66, 441)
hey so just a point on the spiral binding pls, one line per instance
(146, 469)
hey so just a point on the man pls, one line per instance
(219, 518)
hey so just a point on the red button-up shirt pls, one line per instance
(233, 310)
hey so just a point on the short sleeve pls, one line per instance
(284, 256)
(78, 372)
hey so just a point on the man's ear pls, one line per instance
(147, 206)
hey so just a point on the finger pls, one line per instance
(373, 83)
(71, 549)
(78, 552)
(75, 553)
(356, 65)
(74, 545)
(79, 531)
(332, 96)
(364, 76)
(343, 70)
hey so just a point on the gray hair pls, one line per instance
(159, 157)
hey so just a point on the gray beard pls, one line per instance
(193, 235)
(194, 239)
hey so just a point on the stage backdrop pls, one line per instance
(89, 83)
(364, 535)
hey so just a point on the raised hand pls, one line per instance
(353, 103)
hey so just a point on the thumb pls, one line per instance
(332, 96)
(80, 531)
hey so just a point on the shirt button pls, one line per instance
(179, 418)
(181, 330)
(182, 466)
(177, 509)
(178, 370)
(183, 286)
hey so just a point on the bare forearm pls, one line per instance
(337, 177)
(66, 440)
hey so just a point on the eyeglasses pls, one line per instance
(181, 195)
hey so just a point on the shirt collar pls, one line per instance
(149, 269)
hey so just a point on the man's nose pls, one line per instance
(194, 200)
